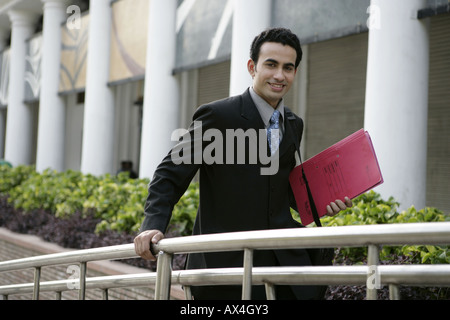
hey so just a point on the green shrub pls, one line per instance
(423, 253)
(44, 191)
(12, 177)
(118, 203)
(369, 208)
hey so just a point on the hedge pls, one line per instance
(118, 203)
(81, 210)
(117, 200)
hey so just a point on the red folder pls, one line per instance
(346, 169)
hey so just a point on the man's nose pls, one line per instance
(279, 75)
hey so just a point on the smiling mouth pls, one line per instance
(277, 86)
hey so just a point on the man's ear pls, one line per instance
(251, 67)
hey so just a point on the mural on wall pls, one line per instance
(128, 40)
(33, 58)
(73, 57)
(4, 77)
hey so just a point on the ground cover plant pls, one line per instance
(76, 210)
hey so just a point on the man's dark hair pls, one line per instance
(278, 35)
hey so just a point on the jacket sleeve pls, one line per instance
(174, 174)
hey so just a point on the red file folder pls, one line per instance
(346, 169)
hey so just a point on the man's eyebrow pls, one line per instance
(271, 60)
(289, 64)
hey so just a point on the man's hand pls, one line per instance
(335, 207)
(143, 240)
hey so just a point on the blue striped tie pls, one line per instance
(274, 137)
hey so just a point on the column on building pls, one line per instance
(397, 97)
(3, 36)
(250, 18)
(98, 130)
(18, 142)
(4, 33)
(50, 143)
(161, 92)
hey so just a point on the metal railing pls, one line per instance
(371, 236)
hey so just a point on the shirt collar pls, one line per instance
(264, 108)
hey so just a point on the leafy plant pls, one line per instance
(117, 202)
(12, 177)
(82, 210)
(423, 253)
(369, 208)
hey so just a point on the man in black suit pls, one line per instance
(239, 189)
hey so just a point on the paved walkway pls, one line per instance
(15, 246)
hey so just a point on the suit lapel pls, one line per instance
(250, 113)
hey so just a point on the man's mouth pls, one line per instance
(277, 86)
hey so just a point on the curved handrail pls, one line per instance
(345, 236)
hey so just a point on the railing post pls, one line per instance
(105, 294)
(372, 262)
(164, 276)
(82, 291)
(187, 292)
(394, 292)
(247, 278)
(37, 279)
(270, 291)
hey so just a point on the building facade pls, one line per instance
(85, 85)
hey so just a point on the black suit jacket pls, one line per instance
(233, 197)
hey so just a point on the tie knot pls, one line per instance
(275, 117)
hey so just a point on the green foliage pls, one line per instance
(44, 191)
(118, 203)
(423, 253)
(369, 208)
(12, 177)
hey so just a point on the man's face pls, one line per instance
(275, 71)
